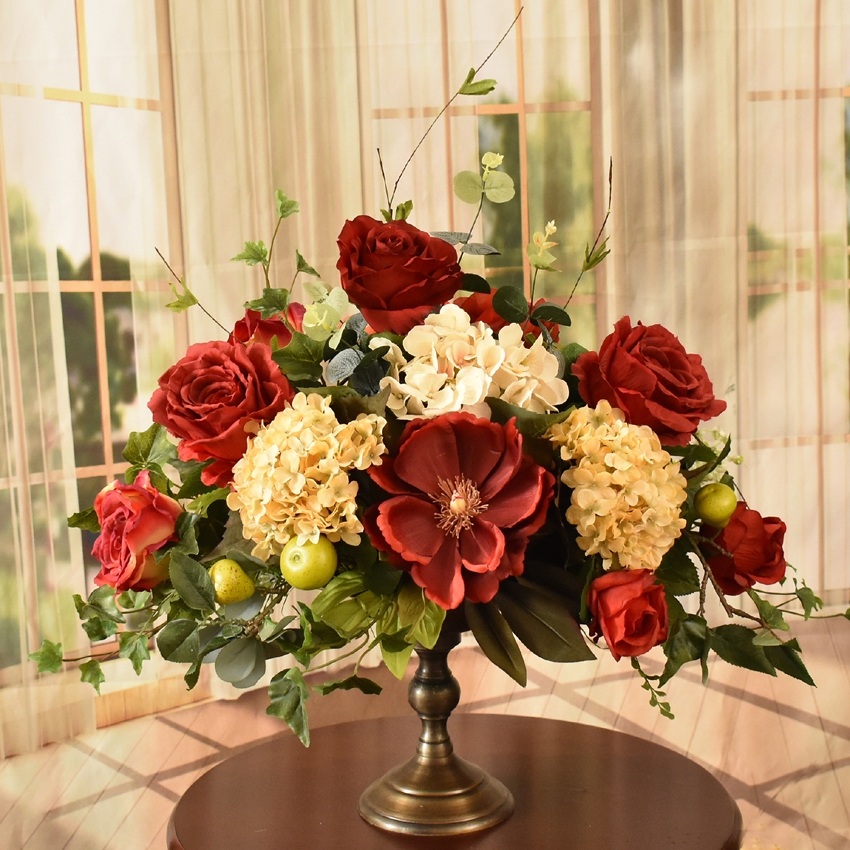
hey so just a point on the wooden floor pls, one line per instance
(781, 749)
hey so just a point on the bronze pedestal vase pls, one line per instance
(436, 792)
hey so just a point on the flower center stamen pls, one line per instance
(458, 503)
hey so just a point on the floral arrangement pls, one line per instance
(411, 444)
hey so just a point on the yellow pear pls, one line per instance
(232, 584)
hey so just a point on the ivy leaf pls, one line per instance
(130, 599)
(301, 360)
(192, 582)
(809, 601)
(253, 253)
(302, 265)
(87, 520)
(134, 645)
(499, 187)
(468, 186)
(182, 301)
(48, 657)
(496, 639)
(351, 683)
(285, 206)
(98, 629)
(769, 613)
(287, 694)
(145, 448)
(540, 259)
(273, 301)
(101, 604)
(510, 303)
(90, 672)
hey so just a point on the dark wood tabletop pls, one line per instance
(576, 788)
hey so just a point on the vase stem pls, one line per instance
(435, 792)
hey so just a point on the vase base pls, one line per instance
(446, 796)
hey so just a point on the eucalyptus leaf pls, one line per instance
(453, 237)
(478, 249)
(475, 283)
(468, 186)
(343, 365)
(498, 187)
(237, 660)
(510, 303)
(179, 641)
(552, 313)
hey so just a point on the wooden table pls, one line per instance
(576, 788)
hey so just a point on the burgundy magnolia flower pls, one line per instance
(395, 273)
(207, 398)
(135, 520)
(755, 545)
(646, 372)
(254, 328)
(629, 610)
(465, 501)
(479, 306)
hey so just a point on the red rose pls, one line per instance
(647, 373)
(479, 306)
(135, 520)
(755, 544)
(629, 610)
(395, 273)
(209, 396)
(465, 501)
(254, 328)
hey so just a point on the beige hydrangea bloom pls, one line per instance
(450, 363)
(293, 479)
(627, 493)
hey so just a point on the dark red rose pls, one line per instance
(465, 501)
(208, 397)
(135, 520)
(755, 544)
(254, 328)
(629, 610)
(395, 273)
(479, 307)
(647, 373)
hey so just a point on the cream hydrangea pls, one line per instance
(450, 363)
(293, 479)
(627, 494)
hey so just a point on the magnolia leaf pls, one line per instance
(542, 623)
(397, 661)
(90, 672)
(179, 641)
(510, 303)
(427, 630)
(453, 237)
(134, 645)
(253, 253)
(496, 639)
(192, 582)
(87, 520)
(350, 683)
(285, 206)
(183, 301)
(468, 186)
(287, 694)
(302, 265)
(411, 604)
(478, 249)
(337, 590)
(48, 657)
(475, 283)
(498, 187)
(273, 302)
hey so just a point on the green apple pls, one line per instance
(232, 584)
(715, 503)
(308, 566)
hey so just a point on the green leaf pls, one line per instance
(498, 187)
(769, 613)
(397, 661)
(402, 211)
(201, 504)
(388, 216)
(48, 657)
(552, 313)
(677, 572)
(145, 448)
(253, 253)
(182, 300)
(301, 359)
(542, 623)
(475, 283)
(90, 672)
(478, 87)
(301, 265)
(273, 301)
(496, 639)
(468, 186)
(134, 645)
(351, 683)
(285, 206)
(192, 582)
(786, 658)
(594, 258)
(510, 303)
(86, 520)
(688, 641)
(287, 694)
(734, 644)
(179, 641)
